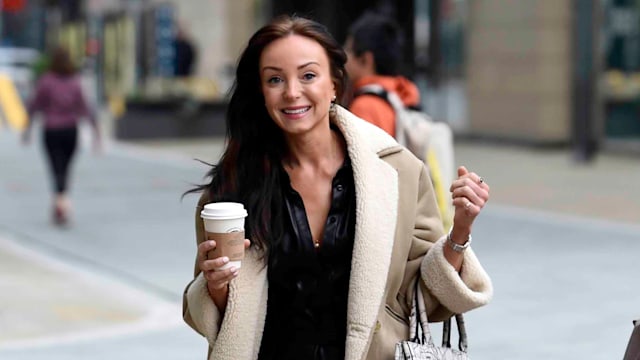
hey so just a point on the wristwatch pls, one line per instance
(457, 247)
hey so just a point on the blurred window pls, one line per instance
(17, 64)
(620, 36)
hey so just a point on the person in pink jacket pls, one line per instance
(60, 100)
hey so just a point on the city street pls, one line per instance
(561, 253)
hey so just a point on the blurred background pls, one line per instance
(543, 98)
(552, 73)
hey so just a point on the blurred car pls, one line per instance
(18, 65)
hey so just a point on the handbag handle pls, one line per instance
(419, 329)
(462, 333)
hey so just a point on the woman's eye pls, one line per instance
(309, 76)
(274, 80)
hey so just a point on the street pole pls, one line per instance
(584, 80)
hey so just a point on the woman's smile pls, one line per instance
(296, 112)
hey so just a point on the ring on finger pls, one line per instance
(480, 180)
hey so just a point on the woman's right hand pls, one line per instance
(217, 280)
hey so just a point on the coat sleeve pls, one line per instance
(198, 309)
(445, 291)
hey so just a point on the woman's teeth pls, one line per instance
(296, 111)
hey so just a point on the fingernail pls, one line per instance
(233, 269)
(212, 243)
(225, 259)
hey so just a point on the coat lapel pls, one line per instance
(376, 185)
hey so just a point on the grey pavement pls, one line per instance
(115, 275)
(559, 240)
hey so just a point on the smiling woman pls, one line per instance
(342, 220)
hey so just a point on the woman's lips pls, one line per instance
(297, 112)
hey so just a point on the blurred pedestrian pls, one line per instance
(374, 51)
(185, 54)
(60, 100)
(342, 220)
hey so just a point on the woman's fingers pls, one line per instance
(205, 247)
(469, 208)
(469, 192)
(474, 182)
(216, 263)
(219, 279)
(475, 194)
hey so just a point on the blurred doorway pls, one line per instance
(621, 77)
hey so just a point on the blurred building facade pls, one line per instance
(555, 72)
(540, 72)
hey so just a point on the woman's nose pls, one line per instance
(292, 90)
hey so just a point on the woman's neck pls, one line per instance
(321, 151)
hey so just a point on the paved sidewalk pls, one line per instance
(68, 304)
(116, 273)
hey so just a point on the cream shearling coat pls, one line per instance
(398, 236)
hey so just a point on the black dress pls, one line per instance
(308, 287)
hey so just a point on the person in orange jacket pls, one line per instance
(373, 49)
(373, 56)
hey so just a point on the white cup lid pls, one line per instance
(223, 210)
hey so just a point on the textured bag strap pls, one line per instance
(419, 329)
(462, 333)
(419, 325)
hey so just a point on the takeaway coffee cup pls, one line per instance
(224, 223)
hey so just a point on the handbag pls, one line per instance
(420, 345)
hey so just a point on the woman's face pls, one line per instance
(296, 83)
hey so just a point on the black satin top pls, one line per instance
(308, 287)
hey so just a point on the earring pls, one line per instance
(332, 106)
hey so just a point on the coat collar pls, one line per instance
(376, 184)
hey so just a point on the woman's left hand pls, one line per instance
(470, 193)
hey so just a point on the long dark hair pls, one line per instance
(249, 171)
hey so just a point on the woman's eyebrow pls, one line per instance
(299, 67)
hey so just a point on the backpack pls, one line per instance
(430, 141)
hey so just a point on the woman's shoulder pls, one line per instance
(52, 79)
(45, 79)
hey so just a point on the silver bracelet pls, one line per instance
(457, 247)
